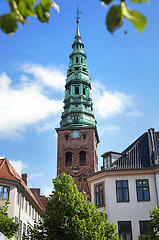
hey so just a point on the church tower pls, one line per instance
(77, 136)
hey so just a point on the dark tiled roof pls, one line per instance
(142, 153)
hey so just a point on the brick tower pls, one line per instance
(77, 136)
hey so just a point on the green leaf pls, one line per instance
(138, 1)
(42, 14)
(114, 18)
(46, 4)
(136, 18)
(26, 8)
(106, 2)
(8, 23)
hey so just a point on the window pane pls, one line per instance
(124, 228)
(99, 195)
(145, 183)
(125, 195)
(146, 194)
(119, 195)
(125, 184)
(139, 194)
(139, 183)
(118, 183)
(143, 227)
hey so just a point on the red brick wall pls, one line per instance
(89, 145)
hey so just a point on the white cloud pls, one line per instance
(135, 113)
(50, 76)
(47, 190)
(106, 103)
(35, 175)
(24, 104)
(111, 129)
(19, 166)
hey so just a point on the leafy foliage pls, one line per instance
(153, 226)
(69, 216)
(117, 13)
(7, 225)
(21, 9)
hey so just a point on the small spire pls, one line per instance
(77, 30)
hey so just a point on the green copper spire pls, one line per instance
(78, 107)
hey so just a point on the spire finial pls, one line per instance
(78, 12)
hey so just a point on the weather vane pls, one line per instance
(78, 12)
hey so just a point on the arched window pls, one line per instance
(68, 159)
(82, 160)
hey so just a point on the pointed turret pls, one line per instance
(78, 107)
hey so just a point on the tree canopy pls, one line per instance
(7, 225)
(69, 215)
(20, 10)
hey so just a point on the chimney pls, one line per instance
(25, 178)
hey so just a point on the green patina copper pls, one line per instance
(78, 107)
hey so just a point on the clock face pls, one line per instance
(75, 134)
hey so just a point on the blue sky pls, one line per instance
(124, 70)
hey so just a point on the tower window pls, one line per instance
(66, 137)
(81, 60)
(84, 91)
(82, 158)
(76, 90)
(68, 159)
(84, 136)
(76, 59)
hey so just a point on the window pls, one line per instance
(143, 227)
(4, 192)
(82, 161)
(16, 221)
(124, 229)
(26, 206)
(18, 197)
(122, 191)
(29, 209)
(84, 91)
(24, 229)
(68, 159)
(76, 59)
(84, 136)
(22, 198)
(81, 60)
(142, 188)
(76, 90)
(99, 195)
(66, 137)
(20, 230)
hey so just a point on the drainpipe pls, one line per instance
(154, 172)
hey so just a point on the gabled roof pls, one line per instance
(8, 172)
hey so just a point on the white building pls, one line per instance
(25, 205)
(128, 185)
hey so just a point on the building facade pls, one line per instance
(127, 187)
(77, 136)
(26, 205)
